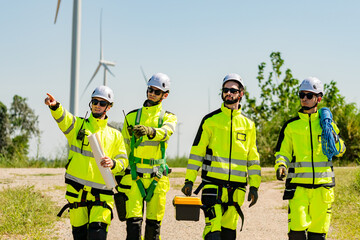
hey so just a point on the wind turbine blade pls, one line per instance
(144, 75)
(101, 50)
(107, 68)
(57, 10)
(97, 69)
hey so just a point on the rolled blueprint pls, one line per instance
(98, 152)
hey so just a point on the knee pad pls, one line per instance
(152, 230)
(297, 235)
(228, 234)
(80, 233)
(213, 236)
(316, 236)
(97, 231)
(133, 228)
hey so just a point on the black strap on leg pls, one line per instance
(231, 202)
(196, 192)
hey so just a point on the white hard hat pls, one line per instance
(104, 92)
(160, 81)
(312, 84)
(233, 77)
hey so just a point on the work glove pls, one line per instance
(281, 173)
(141, 130)
(187, 188)
(253, 196)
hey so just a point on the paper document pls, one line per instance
(98, 152)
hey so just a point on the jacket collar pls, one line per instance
(312, 117)
(98, 123)
(152, 109)
(229, 111)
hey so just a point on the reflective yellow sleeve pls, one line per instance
(284, 154)
(197, 153)
(253, 165)
(120, 157)
(340, 146)
(167, 129)
(66, 121)
(126, 137)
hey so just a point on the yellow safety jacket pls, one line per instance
(299, 150)
(149, 148)
(81, 167)
(225, 149)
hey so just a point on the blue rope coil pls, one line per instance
(328, 134)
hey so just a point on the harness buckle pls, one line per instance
(75, 205)
(146, 175)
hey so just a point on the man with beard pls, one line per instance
(225, 149)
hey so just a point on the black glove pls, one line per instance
(130, 130)
(281, 173)
(253, 196)
(141, 130)
(187, 188)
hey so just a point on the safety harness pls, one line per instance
(226, 205)
(83, 202)
(163, 168)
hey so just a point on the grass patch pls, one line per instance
(177, 162)
(25, 213)
(346, 208)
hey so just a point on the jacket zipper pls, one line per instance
(312, 150)
(231, 116)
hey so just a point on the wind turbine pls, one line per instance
(144, 75)
(102, 61)
(75, 54)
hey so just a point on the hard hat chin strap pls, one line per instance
(98, 115)
(308, 108)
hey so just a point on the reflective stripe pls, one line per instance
(209, 194)
(121, 156)
(196, 157)
(224, 171)
(84, 152)
(284, 157)
(62, 117)
(147, 170)
(309, 164)
(225, 160)
(170, 126)
(85, 182)
(71, 126)
(254, 172)
(150, 143)
(253, 162)
(310, 175)
(193, 167)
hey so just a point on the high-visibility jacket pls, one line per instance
(81, 166)
(299, 150)
(225, 149)
(149, 148)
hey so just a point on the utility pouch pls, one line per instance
(120, 203)
(289, 193)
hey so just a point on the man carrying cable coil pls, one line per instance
(146, 132)
(225, 150)
(310, 176)
(90, 201)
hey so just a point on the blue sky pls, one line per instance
(195, 42)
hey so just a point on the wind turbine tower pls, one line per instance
(75, 54)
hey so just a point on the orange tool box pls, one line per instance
(187, 208)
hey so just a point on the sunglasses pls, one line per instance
(308, 95)
(102, 103)
(156, 91)
(232, 90)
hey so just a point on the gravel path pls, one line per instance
(265, 220)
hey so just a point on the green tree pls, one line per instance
(279, 102)
(17, 128)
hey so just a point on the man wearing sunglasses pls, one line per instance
(225, 149)
(91, 203)
(146, 132)
(310, 179)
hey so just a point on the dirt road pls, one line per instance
(265, 220)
